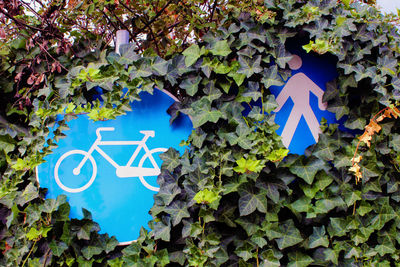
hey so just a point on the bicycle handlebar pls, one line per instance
(100, 129)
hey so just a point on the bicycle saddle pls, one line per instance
(149, 133)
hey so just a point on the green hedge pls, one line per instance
(231, 199)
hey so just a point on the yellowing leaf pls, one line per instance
(206, 197)
(248, 165)
(373, 127)
(366, 138)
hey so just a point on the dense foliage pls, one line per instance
(233, 198)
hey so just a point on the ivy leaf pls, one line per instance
(331, 255)
(245, 251)
(387, 65)
(282, 56)
(308, 170)
(331, 91)
(221, 48)
(212, 92)
(249, 202)
(89, 251)
(324, 205)
(271, 257)
(57, 248)
(202, 112)
(339, 108)
(301, 205)
(143, 70)
(248, 165)
(298, 259)
(162, 231)
(191, 54)
(159, 66)
(221, 256)
(35, 233)
(384, 213)
(290, 235)
(191, 85)
(240, 137)
(170, 159)
(29, 194)
(395, 142)
(337, 227)
(252, 92)
(271, 77)
(357, 123)
(318, 238)
(178, 211)
(206, 197)
(249, 66)
(128, 54)
(351, 197)
(269, 104)
(7, 143)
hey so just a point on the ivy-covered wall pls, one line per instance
(235, 198)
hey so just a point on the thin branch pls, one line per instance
(19, 22)
(159, 13)
(154, 37)
(109, 20)
(31, 9)
(47, 52)
(213, 10)
(129, 9)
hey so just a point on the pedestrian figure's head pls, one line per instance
(295, 63)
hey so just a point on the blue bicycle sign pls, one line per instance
(110, 168)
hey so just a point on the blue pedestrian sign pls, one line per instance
(300, 102)
(110, 167)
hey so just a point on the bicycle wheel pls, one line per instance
(150, 161)
(73, 179)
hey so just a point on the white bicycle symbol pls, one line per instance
(121, 171)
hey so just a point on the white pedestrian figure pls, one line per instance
(298, 88)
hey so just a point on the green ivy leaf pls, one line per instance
(337, 227)
(57, 248)
(170, 159)
(395, 142)
(192, 54)
(162, 231)
(318, 238)
(89, 251)
(271, 257)
(245, 251)
(128, 54)
(332, 256)
(202, 113)
(178, 211)
(191, 85)
(221, 48)
(290, 235)
(271, 77)
(249, 202)
(159, 66)
(249, 66)
(307, 170)
(298, 259)
(7, 143)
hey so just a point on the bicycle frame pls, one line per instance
(95, 146)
